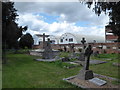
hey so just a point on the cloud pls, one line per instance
(68, 11)
(67, 15)
(38, 24)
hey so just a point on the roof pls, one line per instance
(88, 38)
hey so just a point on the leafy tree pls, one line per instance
(10, 30)
(113, 11)
(26, 41)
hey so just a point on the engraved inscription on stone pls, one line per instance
(98, 81)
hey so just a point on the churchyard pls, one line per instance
(48, 68)
(23, 71)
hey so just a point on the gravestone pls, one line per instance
(65, 49)
(82, 57)
(85, 73)
(96, 53)
(48, 53)
(65, 59)
(71, 47)
(98, 81)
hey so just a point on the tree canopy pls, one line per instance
(26, 41)
(113, 11)
(10, 29)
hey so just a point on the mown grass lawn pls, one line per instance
(22, 71)
(107, 68)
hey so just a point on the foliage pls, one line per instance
(10, 30)
(113, 10)
(64, 54)
(26, 41)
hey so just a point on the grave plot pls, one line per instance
(86, 78)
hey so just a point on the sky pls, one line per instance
(57, 18)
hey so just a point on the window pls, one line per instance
(39, 42)
(118, 47)
(61, 40)
(71, 40)
(66, 39)
(52, 41)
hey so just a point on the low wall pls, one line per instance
(101, 47)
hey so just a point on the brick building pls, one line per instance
(109, 37)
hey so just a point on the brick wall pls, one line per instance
(101, 47)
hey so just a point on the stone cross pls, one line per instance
(85, 73)
(44, 40)
(83, 42)
(87, 53)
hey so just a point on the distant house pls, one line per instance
(38, 39)
(68, 38)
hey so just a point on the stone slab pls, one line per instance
(98, 81)
(97, 62)
(72, 63)
(86, 84)
(46, 60)
(91, 62)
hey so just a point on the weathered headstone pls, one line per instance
(65, 49)
(82, 57)
(65, 59)
(98, 81)
(71, 47)
(85, 73)
(48, 53)
(95, 53)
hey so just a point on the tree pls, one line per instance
(113, 10)
(26, 41)
(10, 30)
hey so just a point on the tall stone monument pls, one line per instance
(85, 73)
(48, 53)
(44, 40)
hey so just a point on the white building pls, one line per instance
(38, 39)
(67, 38)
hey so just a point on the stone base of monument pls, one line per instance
(49, 60)
(95, 82)
(39, 52)
(85, 74)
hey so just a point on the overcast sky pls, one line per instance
(57, 18)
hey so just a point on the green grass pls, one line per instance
(64, 54)
(22, 71)
(107, 68)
